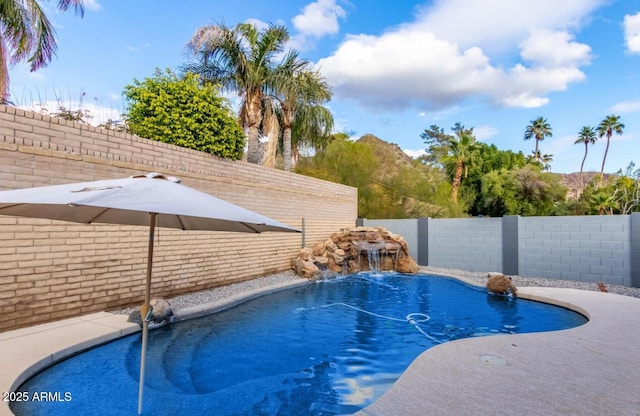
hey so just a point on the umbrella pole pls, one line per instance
(144, 310)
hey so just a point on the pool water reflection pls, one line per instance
(321, 349)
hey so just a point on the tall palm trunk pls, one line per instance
(457, 179)
(586, 149)
(286, 138)
(287, 121)
(604, 158)
(253, 117)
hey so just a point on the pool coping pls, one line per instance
(440, 377)
(26, 351)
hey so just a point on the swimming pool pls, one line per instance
(322, 349)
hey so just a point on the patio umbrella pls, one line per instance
(150, 200)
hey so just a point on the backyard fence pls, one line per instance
(52, 270)
(582, 248)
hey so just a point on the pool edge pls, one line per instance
(106, 327)
(26, 351)
(586, 370)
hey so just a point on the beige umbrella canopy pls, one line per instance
(150, 200)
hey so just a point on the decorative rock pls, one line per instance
(347, 251)
(161, 314)
(319, 248)
(406, 264)
(501, 284)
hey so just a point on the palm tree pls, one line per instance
(298, 90)
(538, 129)
(312, 127)
(587, 136)
(603, 202)
(462, 151)
(607, 127)
(27, 35)
(542, 160)
(241, 60)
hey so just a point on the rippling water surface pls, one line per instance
(323, 349)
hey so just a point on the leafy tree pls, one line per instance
(586, 136)
(603, 202)
(627, 190)
(436, 140)
(299, 90)
(462, 151)
(611, 124)
(183, 112)
(312, 127)
(487, 159)
(538, 130)
(544, 160)
(522, 191)
(27, 35)
(240, 59)
(386, 188)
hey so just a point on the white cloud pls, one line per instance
(554, 49)
(138, 48)
(259, 24)
(483, 133)
(92, 5)
(415, 153)
(632, 32)
(499, 24)
(626, 107)
(434, 64)
(317, 19)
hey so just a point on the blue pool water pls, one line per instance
(322, 349)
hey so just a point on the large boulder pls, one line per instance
(406, 264)
(161, 314)
(501, 284)
(346, 251)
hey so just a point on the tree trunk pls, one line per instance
(253, 145)
(286, 137)
(604, 158)
(254, 117)
(586, 149)
(455, 186)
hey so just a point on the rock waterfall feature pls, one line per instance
(353, 250)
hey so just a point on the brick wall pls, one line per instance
(51, 270)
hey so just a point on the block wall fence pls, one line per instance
(582, 248)
(52, 270)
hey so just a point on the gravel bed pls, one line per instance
(535, 281)
(223, 292)
(220, 293)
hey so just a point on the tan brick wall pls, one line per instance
(51, 270)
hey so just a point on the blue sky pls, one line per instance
(396, 67)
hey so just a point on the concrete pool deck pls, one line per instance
(593, 369)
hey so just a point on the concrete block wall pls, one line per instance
(583, 248)
(52, 270)
(473, 245)
(408, 229)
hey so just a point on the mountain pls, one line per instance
(573, 182)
